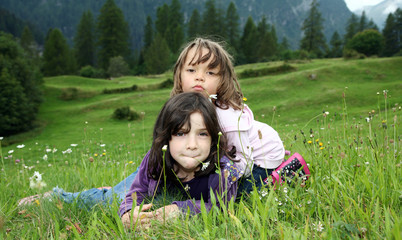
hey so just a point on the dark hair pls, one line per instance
(173, 116)
(229, 92)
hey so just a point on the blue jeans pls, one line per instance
(256, 178)
(92, 197)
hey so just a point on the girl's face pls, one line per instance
(190, 146)
(199, 77)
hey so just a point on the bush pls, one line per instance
(168, 83)
(69, 94)
(352, 54)
(120, 90)
(369, 42)
(118, 67)
(125, 113)
(91, 72)
(266, 71)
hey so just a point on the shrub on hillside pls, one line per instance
(369, 42)
(91, 72)
(125, 113)
(120, 90)
(266, 71)
(118, 67)
(168, 83)
(352, 54)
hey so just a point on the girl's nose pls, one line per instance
(191, 143)
(200, 76)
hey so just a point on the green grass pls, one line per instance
(354, 191)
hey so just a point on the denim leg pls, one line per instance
(256, 178)
(90, 198)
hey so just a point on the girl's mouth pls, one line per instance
(198, 88)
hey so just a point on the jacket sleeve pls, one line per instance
(226, 189)
(140, 186)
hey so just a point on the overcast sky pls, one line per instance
(356, 4)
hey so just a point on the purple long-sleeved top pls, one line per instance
(145, 186)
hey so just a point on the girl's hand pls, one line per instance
(142, 217)
(171, 211)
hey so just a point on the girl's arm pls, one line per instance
(139, 188)
(226, 189)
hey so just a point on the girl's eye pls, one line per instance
(190, 70)
(211, 73)
(179, 134)
(204, 134)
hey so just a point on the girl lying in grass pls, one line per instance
(188, 156)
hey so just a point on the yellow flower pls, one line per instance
(309, 142)
(104, 154)
(130, 162)
(320, 144)
(37, 202)
(317, 140)
(321, 148)
(244, 99)
(95, 154)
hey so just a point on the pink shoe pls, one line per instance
(100, 188)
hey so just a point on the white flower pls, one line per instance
(48, 150)
(164, 148)
(73, 145)
(213, 96)
(45, 157)
(35, 182)
(205, 165)
(102, 145)
(54, 150)
(11, 151)
(1, 138)
(319, 227)
(326, 113)
(367, 119)
(285, 190)
(21, 146)
(219, 133)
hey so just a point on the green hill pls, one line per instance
(298, 96)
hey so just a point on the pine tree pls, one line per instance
(233, 25)
(398, 27)
(84, 41)
(148, 32)
(162, 19)
(362, 22)
(336, 45)
(194, 24)
(313, 40)
(210, 20)
(352, 28)
(113, 34)
(266, 45)
(56, 54)
(249, 41)
(390, 34)
(174, 33)
(20, 88)
(28, 43)
(157, 57)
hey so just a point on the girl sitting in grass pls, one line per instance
(187, 156)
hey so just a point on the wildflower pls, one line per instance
(367, 163)
(367, 119)
(319, 227)
(326, 113)
(213, 96)
(102, 145)
(378, 93)
(73, 145)
(310, 142)
(11, 151)
(45, 157)
(103, 154)
(1, 138)
(204, 165)
(21, 146)
(285, 190)
(17, 160)
(321, 148)
(132, 161)
(49, 165)
(309, 202)
(287, 152)
(91, 159)
(54, 150)
(86, 122)
(164, 148)
(95, 154)
(219, 133)
(35, 182)
(37, 202)
(320, 144)
(245, 99)
(66, 162)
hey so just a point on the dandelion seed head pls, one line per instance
(164, 148)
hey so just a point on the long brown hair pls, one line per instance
(229, 92)
(173, 116)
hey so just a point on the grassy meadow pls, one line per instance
(343, 117)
